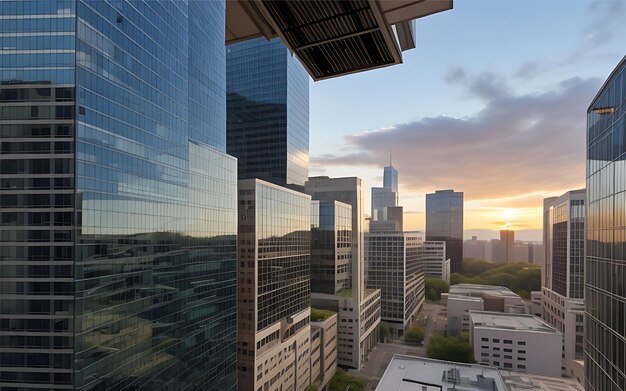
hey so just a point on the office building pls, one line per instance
(386, 196)
(444, 222)
(536, 304)
(267, 112)
(605, 261)
(331, 281)
(517, 381)
(273, 302)
(477, 249)
(504, 249)
(118, 201)
(425, 374)
(418, 373)
(563, 273)
(393, 265)
(436, 264)
(323, 347)
(331, 246)
(463, 298)
(516, 342)
(359, 307)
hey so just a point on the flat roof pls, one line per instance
(411, 373)
(477, 289)
(507, 321)
(516, 381)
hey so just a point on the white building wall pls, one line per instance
(458, 313)
(526, 351)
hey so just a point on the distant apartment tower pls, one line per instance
(436, 263)
(504, 249)
(444, 221)
(386, 196)
(562, 291)
(358, 308)
(273, 311)
(394, 266)
(268, 112)
(605, 262)
(477, 249)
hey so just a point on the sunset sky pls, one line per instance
(492, 102)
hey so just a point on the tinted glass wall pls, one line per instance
(268, 112)
(132, 270)
(37, 108)
(444, 221)
(605, 261)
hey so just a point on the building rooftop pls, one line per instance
(408, 373)
(526, 382)
(318, 315)
(478, 290)
(509, 321)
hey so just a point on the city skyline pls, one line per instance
(468, 109)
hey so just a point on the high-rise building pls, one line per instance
(477, 249)
(117, 199)
(273, 331)
(505, 248)
(359, 307)
(436, 264)
(394, 266)
(605, 261)
(386, 196)
(331, 246)
(562, 293)
(268, 112)
(444, 221)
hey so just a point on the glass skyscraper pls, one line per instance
(444, 222)
(268, 112)
(605, 260)
(386, 196)
(331, 246)
(117, 199)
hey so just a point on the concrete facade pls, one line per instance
(323, 350)
(464, 298)
(393, 265)
(273, 330)
(562, 277)
(358, 308)
(518, 342)
(436, 264)
(357, 324)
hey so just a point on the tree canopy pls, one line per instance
(342, 379)
(434, 287)
(521, 278)
(456, 348)
(414, 335)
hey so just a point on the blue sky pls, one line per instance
(478, 66)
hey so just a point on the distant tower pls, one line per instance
(386, 196)
(444, 221)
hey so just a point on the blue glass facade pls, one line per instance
(444, 222)
(125, 276)
(605, 259)
(268, 112)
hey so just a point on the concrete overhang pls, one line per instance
(333, 37)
